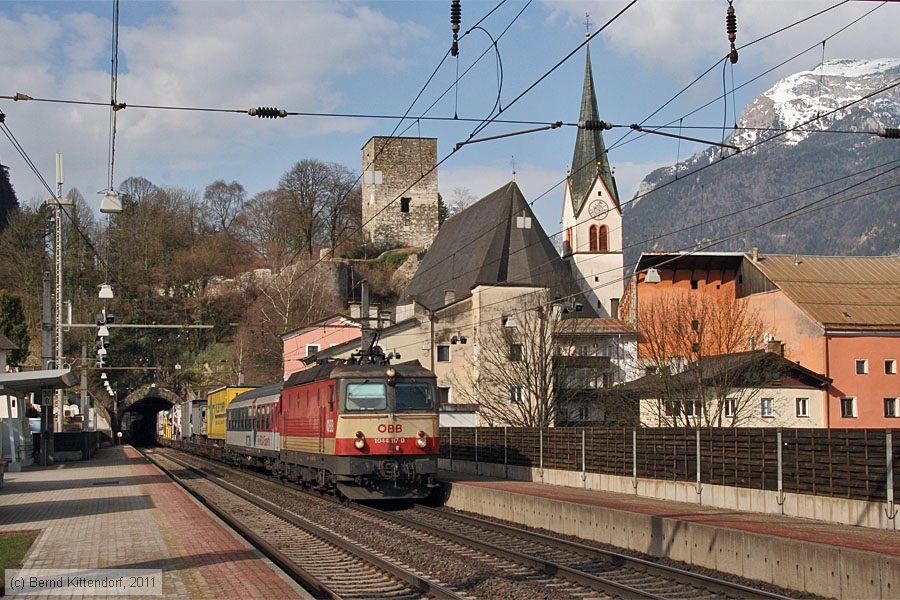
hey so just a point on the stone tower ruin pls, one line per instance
(399, 194)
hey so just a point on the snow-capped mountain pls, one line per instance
(758, 181)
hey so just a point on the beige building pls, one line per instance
(483, 309)
(759, 388)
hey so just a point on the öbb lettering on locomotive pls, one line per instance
(362, 431)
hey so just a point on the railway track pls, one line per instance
(322, 561)
(612, 572)
(566, 568)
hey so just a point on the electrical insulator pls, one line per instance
(731, 28)
(891, 133)
(455, 19)
(594, 125)
(267, 112)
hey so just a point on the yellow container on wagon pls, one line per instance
(217, 401)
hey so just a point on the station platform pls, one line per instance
(825, 559)
(118, 511)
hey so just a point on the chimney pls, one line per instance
(775, 347)
(754, 254)
(354, 310)
(449, 297)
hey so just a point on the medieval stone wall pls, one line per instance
(390, 166)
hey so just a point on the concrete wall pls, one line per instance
(794, 564)
(821, 508)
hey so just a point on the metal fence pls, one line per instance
(860, 464)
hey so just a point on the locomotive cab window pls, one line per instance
(366, 396)
(413, 396)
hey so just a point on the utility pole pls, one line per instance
(46, 440)
(83, 409)
(58, 203)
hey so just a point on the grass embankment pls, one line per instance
(14, 546)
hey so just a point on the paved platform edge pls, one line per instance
(800, 565)
(302, 593)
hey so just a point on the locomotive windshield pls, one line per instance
(413, 396)
(366, 396)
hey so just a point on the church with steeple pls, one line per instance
(592, 215)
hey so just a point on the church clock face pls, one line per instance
(598, 209)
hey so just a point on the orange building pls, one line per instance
(837, 316)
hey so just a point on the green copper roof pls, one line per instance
(589, 158)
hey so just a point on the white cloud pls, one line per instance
(292, 55)
(677, 37)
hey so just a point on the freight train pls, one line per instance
(360, 430)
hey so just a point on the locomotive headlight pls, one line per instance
(360, 442)
(421, 441)
(391, 374)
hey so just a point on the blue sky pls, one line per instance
(373, 57)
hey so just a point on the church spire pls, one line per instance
(589, 159)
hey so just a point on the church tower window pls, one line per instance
(603, 239)
(592, 234)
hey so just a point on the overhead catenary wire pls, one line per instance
(637, 197)
(471, 135)
(7, 132)
(623, 140)
(812, 206)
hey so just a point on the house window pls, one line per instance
(592, 236)
(691, 408)
(862, 366)
(672, 408)
(515, 394)
(523, 222)
(730, 406)
(312, 349)
(848, 408)
(767, 408)
(802, 407)
(443, 353)
(694, 284)
(890, 367)
(582, 413)
(890, 407)
(603, 241)
(444, 395)
(515, 352)
(509, 321)
(404, 204)
(567, 245)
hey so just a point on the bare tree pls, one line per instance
(343, 205)
(136, 189)
(300, 293)
(460, 199)
(223, 203)
(696, 346)
(262, 226)
(304, 196)
(512, 372)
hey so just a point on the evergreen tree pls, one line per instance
(8, 201)
(14, 326)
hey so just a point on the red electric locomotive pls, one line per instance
(365, 431)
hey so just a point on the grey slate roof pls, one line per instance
(6, 344)
(483, 244)
(589, 158)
